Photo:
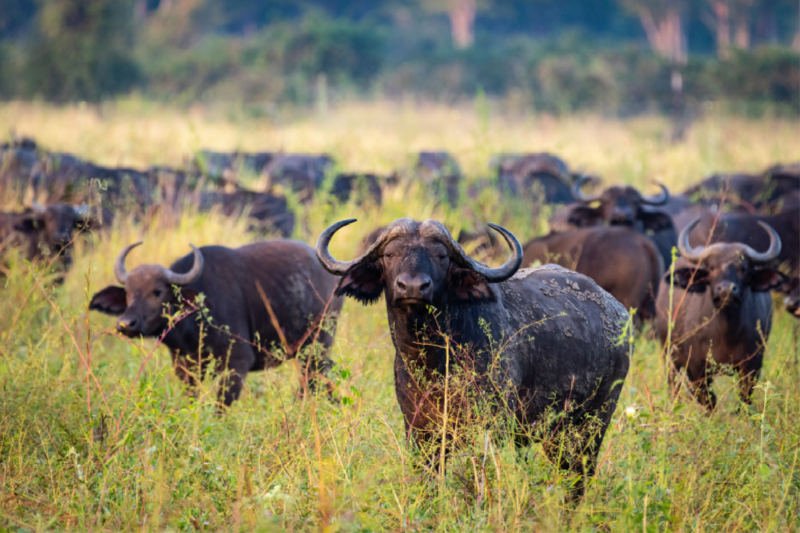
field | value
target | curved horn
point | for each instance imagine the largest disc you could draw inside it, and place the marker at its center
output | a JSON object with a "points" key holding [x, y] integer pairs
{"points": [[335, 267], [492, 275], [194, 273], [578, 194], [119, 265], [661, 199], [773, 250], [687, 252]]}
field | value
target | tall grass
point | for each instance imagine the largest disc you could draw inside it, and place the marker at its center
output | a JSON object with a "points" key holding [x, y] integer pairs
{"points": [[97, 434]]}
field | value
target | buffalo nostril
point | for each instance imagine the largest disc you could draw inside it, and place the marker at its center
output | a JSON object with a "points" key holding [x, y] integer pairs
{"points": [[425, 286], [401, 285]]}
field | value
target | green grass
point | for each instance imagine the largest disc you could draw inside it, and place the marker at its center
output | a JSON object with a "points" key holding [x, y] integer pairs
{"points": [[97, 434]]}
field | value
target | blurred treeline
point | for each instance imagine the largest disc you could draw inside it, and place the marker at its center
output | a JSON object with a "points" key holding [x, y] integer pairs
{"points": [[616, 56]]}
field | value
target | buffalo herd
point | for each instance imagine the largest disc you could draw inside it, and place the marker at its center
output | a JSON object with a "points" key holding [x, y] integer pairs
{"points": [[550, 330]]}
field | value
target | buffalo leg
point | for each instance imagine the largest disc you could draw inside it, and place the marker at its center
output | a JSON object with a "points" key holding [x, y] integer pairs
{"points": [[315, 365], [701, 390], [240, 360], [748, 379]]}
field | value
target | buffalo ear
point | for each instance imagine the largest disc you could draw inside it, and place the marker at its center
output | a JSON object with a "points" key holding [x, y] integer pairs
{"points": [[689, 279], [28, 224], [766, 279], [110, 300], [362, 282], [583, 216], [465, 286]]}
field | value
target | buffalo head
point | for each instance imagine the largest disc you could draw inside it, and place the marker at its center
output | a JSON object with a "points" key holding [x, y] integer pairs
{"points": [[416, 264], [727, 270], [146, 294], [618, 205], [54, 223]]}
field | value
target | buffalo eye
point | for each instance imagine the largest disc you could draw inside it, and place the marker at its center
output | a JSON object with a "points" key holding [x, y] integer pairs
{"points": [[157, 293], [387, 256], [442, 256]]}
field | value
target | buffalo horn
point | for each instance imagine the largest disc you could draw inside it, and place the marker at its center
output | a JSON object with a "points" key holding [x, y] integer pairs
{"points": [[334, 266], [661, 199], [695, 255], [194, 273], [773, 250], [119, 265], [578, 193], [492, 275]]}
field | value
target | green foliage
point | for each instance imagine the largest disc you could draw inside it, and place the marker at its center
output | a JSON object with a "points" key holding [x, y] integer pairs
{"points": [[82, 51]]}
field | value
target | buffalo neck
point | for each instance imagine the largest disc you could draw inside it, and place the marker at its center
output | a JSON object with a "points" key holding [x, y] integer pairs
{"points": [[421, 336]]}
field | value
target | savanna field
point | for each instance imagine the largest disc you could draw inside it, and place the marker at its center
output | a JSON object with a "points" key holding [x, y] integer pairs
{"points": [[96, 432]]}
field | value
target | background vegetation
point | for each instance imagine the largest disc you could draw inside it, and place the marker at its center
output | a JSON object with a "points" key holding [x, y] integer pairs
{"points": [[97, 434], [614, 56]]}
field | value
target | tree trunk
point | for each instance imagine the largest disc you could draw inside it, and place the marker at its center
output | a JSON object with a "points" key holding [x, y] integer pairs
{"points": [[462, 22], [743, 33], [723, 29]]}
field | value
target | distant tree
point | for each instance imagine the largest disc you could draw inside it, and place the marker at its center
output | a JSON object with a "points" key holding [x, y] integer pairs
{"points": [[462, 18], [661, 20], [82, 49]]}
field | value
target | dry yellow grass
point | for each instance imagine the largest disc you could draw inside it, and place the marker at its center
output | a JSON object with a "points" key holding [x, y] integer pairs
{"points": [[275, 463]]}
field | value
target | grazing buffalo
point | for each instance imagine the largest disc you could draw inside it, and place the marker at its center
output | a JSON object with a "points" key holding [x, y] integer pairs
{"points": [[625, 206], [46, 232], [744, 228], [721, 311], [542, 177], [534, 339], [362, 187], [751, 192], [266, 212], [620, 260], [224, 165], [299, 173], [264, 302], [441, 175]]}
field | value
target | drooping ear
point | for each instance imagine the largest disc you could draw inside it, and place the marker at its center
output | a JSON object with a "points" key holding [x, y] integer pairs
{"points": [[465, 286], [28, 223], [363, 282], [689, 279], [110, 301], [766, 279], [583, 216]]}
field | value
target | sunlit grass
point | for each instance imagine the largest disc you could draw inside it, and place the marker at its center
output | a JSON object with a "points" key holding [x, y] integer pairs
{"points": [[121, 447]]}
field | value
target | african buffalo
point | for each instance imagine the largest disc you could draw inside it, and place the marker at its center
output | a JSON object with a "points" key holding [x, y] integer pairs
{"points": [[620, 260], [263, 303], [265, 211], [535, 339], [752, 192], [540, 176], [299, 173], [625, 206], [441, 175], [47, 231], [363, 187], [721, 311], [744, 228]]}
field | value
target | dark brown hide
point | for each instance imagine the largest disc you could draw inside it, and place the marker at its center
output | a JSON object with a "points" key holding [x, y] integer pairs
{"points": [[541, 177], [722, 313], [46, 232], [623, 206], [558, 329], [296, 287], [620, 260], [734, 227]]}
